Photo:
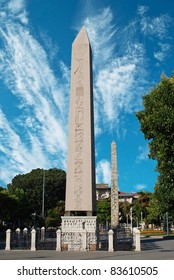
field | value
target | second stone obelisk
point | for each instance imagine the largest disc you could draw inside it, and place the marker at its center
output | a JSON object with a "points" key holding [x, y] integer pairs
{"points": [[114, 189], [80, 184]]}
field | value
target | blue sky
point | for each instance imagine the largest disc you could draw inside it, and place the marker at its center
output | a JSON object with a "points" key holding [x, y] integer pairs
{"points": [[132, 45]]}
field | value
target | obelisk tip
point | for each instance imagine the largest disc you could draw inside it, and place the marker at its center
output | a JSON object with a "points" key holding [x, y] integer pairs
{"points": [[82, 37]]}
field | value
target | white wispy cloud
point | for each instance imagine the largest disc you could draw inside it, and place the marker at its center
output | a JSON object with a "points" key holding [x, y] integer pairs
{"points": [[142, 10], [142, 154], [50, 47], [116, 73], [163, 51], [154, 26], [101, 36], [42, 97], [103, 172], [15, 156], [140, 187]]}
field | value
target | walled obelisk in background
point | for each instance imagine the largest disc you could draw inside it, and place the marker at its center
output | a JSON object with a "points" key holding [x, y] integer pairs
{"points": [[114, 188], [80, 181]]}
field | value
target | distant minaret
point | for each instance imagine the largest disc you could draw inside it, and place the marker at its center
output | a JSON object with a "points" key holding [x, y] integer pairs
{"points": [[114, 188]]}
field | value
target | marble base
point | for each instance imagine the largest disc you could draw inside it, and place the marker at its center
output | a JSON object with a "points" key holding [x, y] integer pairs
{"points": [[79, 233]]}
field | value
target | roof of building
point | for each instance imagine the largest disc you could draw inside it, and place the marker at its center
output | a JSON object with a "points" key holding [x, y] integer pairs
{"points": [[128, 194], [102, 186]]}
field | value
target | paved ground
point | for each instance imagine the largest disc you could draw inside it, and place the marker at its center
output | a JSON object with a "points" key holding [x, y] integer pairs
{"points": [[152, 249]]}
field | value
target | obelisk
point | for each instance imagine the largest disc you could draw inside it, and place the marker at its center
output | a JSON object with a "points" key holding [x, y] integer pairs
{"points": [[79, 224], [80, 181], [114, 188]]}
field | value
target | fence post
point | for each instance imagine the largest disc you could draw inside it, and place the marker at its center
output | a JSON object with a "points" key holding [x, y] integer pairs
{"points": [[18, 233], [137, 242], [58, 245], [84, 233], [43, 233], [33, 240], [25, 236], [25, 230], [8, 238], [111, 244], [134, 241]]}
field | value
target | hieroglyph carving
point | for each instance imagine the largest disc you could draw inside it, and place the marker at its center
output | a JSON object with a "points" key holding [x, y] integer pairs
{"points": [[79, 125]]}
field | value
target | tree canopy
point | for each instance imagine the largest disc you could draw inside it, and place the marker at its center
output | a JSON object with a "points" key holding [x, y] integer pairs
{"points": [[8, 206], [28, 189], [157, 124], [104, 210]]}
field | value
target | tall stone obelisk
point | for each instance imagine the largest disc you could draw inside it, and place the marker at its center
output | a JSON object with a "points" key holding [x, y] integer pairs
{"points": [[114, 188], [79, 225], [80, 186]]}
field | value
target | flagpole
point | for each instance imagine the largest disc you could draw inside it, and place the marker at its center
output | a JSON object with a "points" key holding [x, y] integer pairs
{"points": [[43, 195]]}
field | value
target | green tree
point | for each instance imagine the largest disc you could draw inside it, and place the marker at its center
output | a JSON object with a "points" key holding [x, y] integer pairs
{"points": [[157, 124], [29, 189], [104, 210], [142, 204], [9, 207], [154, 213], [53, 218], [124, 209]]}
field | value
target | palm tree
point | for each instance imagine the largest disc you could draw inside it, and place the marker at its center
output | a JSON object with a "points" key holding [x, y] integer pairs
{"points": [[141, 205]]}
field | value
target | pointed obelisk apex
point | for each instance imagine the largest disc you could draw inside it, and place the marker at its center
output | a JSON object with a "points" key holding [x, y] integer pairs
{"points": [[80, 183], [82, 37], [114, 189]]}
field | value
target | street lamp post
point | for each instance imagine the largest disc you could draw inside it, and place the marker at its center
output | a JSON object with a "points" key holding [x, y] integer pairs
{"points": [[142, 226], [34, 218], [137, 221], [167, 223], [43, 195], [127, 220], [141, 217], [131, 217]]}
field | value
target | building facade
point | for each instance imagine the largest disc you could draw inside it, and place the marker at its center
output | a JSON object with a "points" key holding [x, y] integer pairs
{"points": [[103, 191]]}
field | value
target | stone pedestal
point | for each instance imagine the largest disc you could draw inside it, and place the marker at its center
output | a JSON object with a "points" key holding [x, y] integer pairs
{"points": [[79, 233], [136, 239], [111, 241], [33, 240], [8, 239], [58, 245]]}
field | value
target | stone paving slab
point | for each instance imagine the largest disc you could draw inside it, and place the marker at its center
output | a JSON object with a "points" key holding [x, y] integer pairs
{"points": [[53, 255]]}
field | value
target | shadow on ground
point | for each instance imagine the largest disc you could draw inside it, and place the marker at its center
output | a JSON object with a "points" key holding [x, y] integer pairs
{"points": [[152, 243]]}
